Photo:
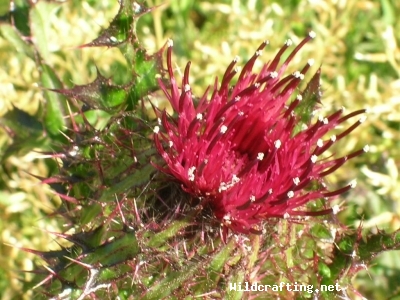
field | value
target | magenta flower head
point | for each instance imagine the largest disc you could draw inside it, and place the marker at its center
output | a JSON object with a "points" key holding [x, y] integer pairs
{"points": [[242, 151]]}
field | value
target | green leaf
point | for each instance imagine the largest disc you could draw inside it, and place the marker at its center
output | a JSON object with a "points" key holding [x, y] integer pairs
{"points": [[324, 270], [116, 251], [39, 17], [311, 97], [100, 94], [146, 68], [89, 213], [20, 15], [161, 238], [12, 35], [99, 119], [375, 243], [26, 131], [388, 11], [54, 108], [237, 278], [214, 269], [354, 249], [322, 232], [91, 238], [138, 178], [21, 123], [122, 27], [172, 282]]}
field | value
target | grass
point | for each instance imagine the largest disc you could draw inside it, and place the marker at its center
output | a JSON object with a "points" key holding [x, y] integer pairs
{"points": [[356, 47]]}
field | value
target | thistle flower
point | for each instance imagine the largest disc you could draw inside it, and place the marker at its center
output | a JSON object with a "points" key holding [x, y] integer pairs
{"points": [[242, 150]]}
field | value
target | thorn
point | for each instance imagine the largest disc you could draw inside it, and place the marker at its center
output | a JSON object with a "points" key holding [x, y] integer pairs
{"points": [[86, 266]]}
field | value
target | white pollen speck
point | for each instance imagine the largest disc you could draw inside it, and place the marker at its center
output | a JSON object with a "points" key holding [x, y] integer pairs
{"points": [[170, 43], [296, 180], [362, 119], [353, 184], [227, 219], [259, 53], [277, 144], [299, 97], [252, 198], [191, 173], [236, 58], [260, 156], [320, 143], [237, 98], [235, 179], [366, 148], [325, 120], [290, 194], [333, 138], [335, 209], [171, 143], [311, 61], [199, 116], [74, 152], [136, 7], [286, 215], [156, 129], [187, 88], [288, 42], [314, 158], [297, 74], [270, 191], [273, 74], [257, 84], [320, 118], [304, 126], [159, 121], [227, 185], [223, 129], [240, 113], [312, 34]]}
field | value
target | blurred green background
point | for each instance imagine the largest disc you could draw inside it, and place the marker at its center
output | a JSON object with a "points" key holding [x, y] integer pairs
{"points": [[356, 46]]}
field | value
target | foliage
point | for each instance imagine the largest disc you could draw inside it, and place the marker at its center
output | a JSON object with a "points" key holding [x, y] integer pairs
{"points": [[77, 115]]}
